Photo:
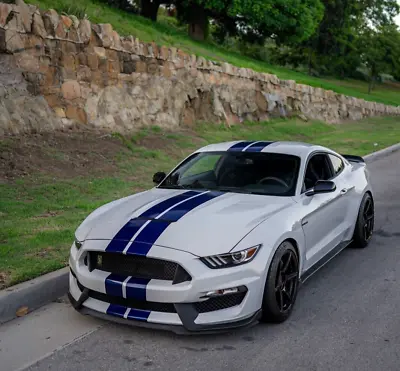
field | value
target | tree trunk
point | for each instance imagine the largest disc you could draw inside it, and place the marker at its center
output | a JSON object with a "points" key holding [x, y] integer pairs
{"points": [[309, 61], [198, 23], [149, 9], [371, 82]]}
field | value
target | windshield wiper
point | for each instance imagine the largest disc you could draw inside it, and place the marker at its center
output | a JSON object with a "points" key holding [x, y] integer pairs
{"points": [[172, 187], [239, 190]]}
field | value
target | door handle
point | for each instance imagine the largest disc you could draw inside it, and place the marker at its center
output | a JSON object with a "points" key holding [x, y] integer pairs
{"points": [[344, 191]]}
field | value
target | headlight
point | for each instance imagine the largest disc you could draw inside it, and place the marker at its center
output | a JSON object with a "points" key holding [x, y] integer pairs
{"points": [[231, 259], [78, 244]]}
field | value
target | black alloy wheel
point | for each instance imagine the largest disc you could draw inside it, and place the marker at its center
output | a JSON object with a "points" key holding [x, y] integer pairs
{"points": [[285, 282], [282, 284], [368, 219], [364, 228]]}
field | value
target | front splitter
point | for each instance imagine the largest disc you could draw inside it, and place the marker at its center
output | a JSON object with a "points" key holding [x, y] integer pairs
{"points": [[189, 326]]}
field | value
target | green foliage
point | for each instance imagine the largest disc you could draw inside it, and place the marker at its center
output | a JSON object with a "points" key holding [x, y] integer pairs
{"points": [[78, 11], [335, 48], [284, 20], [126, 5], [381, 50]]}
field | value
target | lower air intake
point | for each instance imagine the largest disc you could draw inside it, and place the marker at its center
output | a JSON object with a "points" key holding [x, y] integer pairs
{"points": [[220, 302]]}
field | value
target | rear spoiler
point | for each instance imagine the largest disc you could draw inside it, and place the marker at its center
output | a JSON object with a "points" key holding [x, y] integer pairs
{"points": [[353, 158]]}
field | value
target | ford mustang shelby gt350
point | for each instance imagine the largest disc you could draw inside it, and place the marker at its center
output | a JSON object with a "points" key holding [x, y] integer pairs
{"points": [[223, 240]]}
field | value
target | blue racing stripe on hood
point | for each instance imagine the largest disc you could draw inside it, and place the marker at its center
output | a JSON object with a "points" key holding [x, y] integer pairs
{"points": [[149, 235], [124, 235], [121, 239], [258, 146], [238, 147]]}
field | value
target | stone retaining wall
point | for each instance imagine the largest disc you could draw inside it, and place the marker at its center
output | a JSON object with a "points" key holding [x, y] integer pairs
{"points": [[57, 70]]}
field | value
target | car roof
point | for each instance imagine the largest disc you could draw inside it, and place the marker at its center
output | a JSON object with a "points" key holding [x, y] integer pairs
{"points": [[299, 149]]}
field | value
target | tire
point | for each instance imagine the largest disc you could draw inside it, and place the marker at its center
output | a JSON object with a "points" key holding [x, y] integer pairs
{"points": [[281, 285], [365, 222]]}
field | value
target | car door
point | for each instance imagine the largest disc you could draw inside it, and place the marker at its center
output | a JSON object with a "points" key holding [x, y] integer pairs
{"points": [[323, 214], [343, 179]]}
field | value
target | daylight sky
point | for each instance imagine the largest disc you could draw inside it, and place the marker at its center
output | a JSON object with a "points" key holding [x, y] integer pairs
{"points": [[398, 17]]}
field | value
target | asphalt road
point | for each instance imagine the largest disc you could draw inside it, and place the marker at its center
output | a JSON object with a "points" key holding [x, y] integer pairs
{"points": [[347, 317]]}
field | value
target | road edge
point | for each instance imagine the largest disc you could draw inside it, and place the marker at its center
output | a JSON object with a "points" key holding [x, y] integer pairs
{"points": [[32, 294], [42, 290], [382, 153]]}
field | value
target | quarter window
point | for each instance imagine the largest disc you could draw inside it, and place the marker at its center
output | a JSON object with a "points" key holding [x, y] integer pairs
{"points": [[337, 164]]}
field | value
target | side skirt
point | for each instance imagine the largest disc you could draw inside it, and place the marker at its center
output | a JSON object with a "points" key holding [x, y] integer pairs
{"points": [[324, 260]]}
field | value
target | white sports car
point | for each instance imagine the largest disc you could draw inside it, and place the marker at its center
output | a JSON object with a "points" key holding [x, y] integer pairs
{"points": [[224, 240]]}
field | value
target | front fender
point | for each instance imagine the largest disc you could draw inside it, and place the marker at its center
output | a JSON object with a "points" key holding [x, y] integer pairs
{"points": [[271, 234]]}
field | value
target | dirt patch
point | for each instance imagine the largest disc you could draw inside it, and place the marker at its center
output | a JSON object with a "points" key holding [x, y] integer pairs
{"points": [[59, 154], [65, 155], [44, 252], [48, 214], [168, 144], [4, 280]]}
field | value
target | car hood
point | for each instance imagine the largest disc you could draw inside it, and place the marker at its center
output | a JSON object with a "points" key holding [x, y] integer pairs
{"points": [[213, 224]]}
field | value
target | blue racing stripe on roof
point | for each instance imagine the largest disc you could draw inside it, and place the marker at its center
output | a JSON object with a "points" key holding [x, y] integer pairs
{"points": [[113, 285], [258, 146], [149, 235], [116, 310], [136, 288], [238, 147], [139, 314], [124, 235]]}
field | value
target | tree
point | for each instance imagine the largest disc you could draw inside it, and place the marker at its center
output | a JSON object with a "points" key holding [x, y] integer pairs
{"points": [[146, 8], [283, 20], [149, 8], [380, 51], [333, 49]]}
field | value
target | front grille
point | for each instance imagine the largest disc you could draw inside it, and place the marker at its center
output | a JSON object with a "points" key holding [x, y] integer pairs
{"points": [[138, 266], [220, 302], [133, 303]]}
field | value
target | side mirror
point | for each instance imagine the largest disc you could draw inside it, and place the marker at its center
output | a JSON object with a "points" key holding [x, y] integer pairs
{"points": [[322, 186], [159, 177]]}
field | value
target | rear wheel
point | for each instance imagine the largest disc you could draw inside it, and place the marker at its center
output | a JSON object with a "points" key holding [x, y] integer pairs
{"points": [[365, 222], [281, 286]]}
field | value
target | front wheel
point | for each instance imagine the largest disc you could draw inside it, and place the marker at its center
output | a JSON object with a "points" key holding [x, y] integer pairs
{"points": [[365, 222], [281, 286]]}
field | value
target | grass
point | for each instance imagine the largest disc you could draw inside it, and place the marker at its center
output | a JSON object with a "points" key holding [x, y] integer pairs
{"points": [[167, 32], [40, 212]]}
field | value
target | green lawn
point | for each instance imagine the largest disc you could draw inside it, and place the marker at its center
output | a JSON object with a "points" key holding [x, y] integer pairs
{"points": [[40, 209], [167, 32]]}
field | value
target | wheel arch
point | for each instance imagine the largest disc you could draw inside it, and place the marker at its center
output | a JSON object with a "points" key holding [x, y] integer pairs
{"points": [[296, 247], [295, 244]]}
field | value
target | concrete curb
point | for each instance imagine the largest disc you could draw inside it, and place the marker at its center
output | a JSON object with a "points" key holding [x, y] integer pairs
{"points": [[45, 289], [382, 153], [33, 294]]}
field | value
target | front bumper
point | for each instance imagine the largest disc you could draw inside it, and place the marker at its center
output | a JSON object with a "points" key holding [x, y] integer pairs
{"points": [[189, 328], [88, 294]]}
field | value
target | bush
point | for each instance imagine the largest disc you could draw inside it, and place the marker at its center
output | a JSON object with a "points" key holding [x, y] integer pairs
{"points": [[78, 11]]}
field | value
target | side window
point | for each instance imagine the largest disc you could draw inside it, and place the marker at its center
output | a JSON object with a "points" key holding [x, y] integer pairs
{"points": [[317, 169], [337, 164]]}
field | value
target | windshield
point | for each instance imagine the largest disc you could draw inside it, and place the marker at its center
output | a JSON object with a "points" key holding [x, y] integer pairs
{"points": [[244, 172]]}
